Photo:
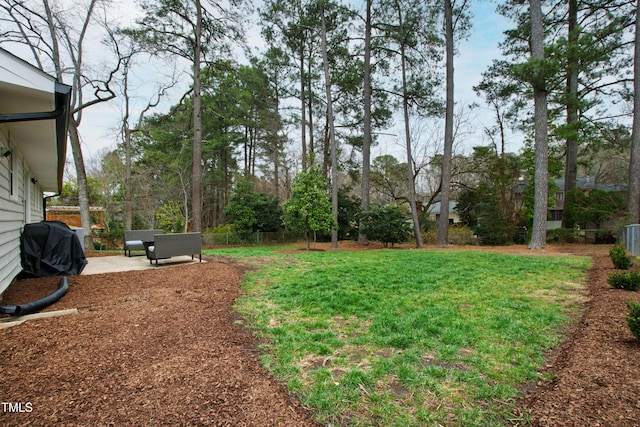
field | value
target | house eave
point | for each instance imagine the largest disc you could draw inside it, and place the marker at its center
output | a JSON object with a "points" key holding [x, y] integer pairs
{"points": [[34, 115]]}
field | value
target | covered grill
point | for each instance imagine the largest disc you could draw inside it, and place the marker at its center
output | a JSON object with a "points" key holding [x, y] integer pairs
{"points": [[50, 248]]}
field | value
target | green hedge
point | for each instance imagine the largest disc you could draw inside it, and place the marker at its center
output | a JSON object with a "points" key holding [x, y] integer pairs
{"points": [[458, 235]]}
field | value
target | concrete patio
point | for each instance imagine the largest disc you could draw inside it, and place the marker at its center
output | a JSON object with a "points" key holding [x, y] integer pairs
{"points": [[115, 263]]}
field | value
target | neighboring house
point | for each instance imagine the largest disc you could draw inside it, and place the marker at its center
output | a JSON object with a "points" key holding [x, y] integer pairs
{"points": [[433, 212], [34, 114], [586, 184]]}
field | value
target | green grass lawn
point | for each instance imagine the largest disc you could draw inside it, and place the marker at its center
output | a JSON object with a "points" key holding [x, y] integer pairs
{"points": [[409, 337]]}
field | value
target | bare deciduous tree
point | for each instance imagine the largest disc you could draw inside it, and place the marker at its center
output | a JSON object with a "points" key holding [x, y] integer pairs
{"points": [[56, 39], [126, 51]]}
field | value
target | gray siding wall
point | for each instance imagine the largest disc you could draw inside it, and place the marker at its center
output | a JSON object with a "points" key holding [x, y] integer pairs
{"points": [[20, 202]]}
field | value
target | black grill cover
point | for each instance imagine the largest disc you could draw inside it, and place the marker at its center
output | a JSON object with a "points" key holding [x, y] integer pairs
{"points": [[50, 248]]}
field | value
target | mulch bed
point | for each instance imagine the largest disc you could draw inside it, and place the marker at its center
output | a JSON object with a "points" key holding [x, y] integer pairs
{"points": [[164, 347], [160, 347], [596, 372]]}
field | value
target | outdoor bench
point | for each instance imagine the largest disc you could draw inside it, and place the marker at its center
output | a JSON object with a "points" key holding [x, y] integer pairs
{"points": [[168, 245], [134, 239]]}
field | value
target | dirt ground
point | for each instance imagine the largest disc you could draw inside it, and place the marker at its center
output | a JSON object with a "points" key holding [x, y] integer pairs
{"points": [[164, 347]]}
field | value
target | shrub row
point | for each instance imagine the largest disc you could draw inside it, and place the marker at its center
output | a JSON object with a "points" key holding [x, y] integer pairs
{"points": [[566, 235], [458, 235], [627, 280]]}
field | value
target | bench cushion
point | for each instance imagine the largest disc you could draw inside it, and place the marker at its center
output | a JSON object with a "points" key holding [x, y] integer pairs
{"points": [[133, 239]]}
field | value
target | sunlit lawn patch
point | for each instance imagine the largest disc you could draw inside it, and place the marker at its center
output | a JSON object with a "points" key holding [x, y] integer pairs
{"points": [[411, 337]]}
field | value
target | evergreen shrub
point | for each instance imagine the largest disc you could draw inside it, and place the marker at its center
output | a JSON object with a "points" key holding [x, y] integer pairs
{"points": [[458, 235], [633, 318], [386, 224], [627, 280], [619, 257], [563, 235]]}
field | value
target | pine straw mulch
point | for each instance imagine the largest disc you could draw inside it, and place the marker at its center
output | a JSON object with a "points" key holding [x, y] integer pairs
{"points": [[164, 347]]}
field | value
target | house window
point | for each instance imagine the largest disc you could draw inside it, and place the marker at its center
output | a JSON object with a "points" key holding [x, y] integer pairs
{"points": [[560, 195], [438, 219], [556, 215]]}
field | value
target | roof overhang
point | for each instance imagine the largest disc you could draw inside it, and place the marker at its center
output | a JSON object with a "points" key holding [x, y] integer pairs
{"points": [[34, 116]]}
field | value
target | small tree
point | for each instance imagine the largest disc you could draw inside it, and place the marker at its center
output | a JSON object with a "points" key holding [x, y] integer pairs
{"points": [[309, 208], [386, 224], [574, 213], [171, 217], [480, 210], [349, 209], [241, 210], [595, 208], [603, 204]]}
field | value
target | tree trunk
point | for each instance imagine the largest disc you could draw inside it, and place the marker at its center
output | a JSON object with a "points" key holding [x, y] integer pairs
{"points": [[275, 147], [326, 148], [81, 176], [332, 136], [366, 136], [276, 160], [128, 203], [311, 139], [74, 121], [571, 165], [126, 130], [539, 231], [247, 152], [303, 113], [253, 152], [196, 196], [445, 186], [633, 199], [407, 132]]}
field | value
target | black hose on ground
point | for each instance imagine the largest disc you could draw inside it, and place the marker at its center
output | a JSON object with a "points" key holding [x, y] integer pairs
{"points": [[37, 305]]}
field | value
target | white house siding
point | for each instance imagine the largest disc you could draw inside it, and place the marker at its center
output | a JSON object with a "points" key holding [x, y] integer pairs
{"points": [[434, 212], [12, 211], [35, 111]]}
